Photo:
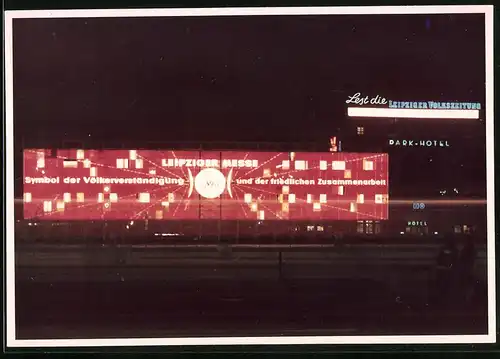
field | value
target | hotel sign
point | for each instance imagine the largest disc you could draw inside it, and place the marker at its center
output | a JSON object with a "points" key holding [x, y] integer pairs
{"points": [[418, 143], [417, 223]]}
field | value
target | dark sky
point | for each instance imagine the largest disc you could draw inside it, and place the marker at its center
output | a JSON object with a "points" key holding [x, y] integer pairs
{"points": [[234, 78]]}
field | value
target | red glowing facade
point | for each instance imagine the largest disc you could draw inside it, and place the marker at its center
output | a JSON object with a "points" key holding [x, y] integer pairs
{"points": [[191, 185]]}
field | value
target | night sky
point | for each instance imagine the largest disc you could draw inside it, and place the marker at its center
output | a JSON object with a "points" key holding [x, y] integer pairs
{"points": [[234, 78], [138, 81]]}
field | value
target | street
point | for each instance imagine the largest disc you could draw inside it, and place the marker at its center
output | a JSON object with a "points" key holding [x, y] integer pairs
{"points": [[161, 291]]}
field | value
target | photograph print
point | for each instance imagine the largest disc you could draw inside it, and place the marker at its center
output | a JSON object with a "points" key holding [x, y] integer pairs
{"points": [[250, 176]]}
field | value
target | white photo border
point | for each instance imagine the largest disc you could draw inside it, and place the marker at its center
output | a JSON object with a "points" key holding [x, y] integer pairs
{"points": [[13, 342]]}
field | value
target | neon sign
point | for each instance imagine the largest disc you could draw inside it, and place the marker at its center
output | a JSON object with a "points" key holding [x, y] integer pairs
{"points": [[418, 205], [417, 223], [418, 143], [436, 105], [356, 99], [359, 99]]}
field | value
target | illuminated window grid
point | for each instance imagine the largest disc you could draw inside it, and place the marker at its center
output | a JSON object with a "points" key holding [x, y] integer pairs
{"points": [[285, 165], [67, 197], [80, 197], [360, 198], [159, 214], [353, 207], [93, 171], [323, 165], [144, 197], [285, 207], [113, 197], [316, 207], [40, 160], [132, 155], [121, 163], [248, 198], [80, 154], [47, 206], [254, 207], [60, 206], [165, 205], [87, 163], [347, 174], [322, 198], [40, 163], [266, 173], [291, 198], [309, 198], [368, 165], [381, 198], [261, 215], [139, 163], [300, 165], [338, 165], [70, 164], [285, 189], [28, 197], [171, 197]]}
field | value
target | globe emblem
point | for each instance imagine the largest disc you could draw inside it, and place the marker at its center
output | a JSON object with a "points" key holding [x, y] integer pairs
{"points": [[210, 183]]}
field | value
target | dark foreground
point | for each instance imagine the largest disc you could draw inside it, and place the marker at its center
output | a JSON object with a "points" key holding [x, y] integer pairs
{"points": [[335, 292]]}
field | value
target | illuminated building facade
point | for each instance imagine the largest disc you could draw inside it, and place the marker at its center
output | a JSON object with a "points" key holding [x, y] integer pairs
{"points": [[446, 174]]}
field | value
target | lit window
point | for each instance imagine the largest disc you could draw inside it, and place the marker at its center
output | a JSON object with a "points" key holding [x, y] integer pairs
{"points": [[360, 130], [360, 228]]}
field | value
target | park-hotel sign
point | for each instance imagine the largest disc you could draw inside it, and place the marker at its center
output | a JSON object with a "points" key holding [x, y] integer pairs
{"points": [[418, 143]]}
